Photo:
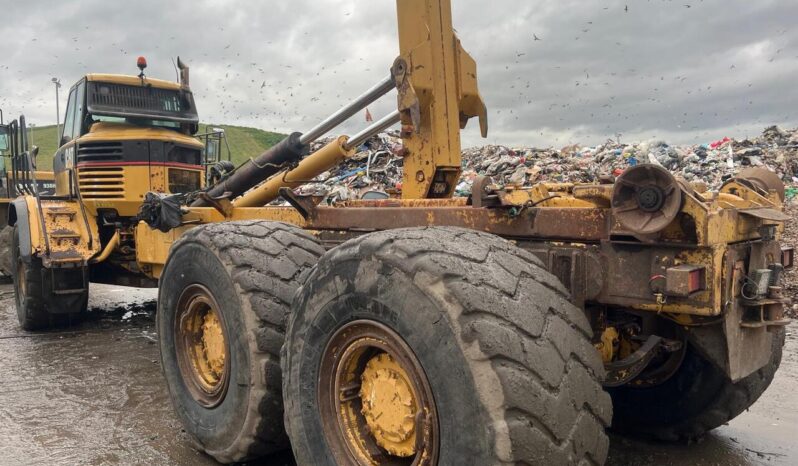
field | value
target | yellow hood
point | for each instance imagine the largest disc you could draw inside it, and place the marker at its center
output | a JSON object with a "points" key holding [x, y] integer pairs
{"points": [[105, 131]]}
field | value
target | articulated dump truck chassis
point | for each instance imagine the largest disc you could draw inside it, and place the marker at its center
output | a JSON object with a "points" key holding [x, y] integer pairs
{"points": [[510, 327]]}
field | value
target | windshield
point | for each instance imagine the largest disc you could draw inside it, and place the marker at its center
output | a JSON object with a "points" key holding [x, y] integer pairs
{"points": [[144, 103]]}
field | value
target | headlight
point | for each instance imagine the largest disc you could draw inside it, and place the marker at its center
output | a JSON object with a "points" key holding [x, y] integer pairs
{"points": [[183, 181]]}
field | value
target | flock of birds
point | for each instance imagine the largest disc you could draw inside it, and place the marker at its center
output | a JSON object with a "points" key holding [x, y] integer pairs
{"points": [[231, 87]]}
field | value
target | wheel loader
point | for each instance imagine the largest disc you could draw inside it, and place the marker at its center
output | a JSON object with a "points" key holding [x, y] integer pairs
{"points": [[14, 156], [512, 326]]}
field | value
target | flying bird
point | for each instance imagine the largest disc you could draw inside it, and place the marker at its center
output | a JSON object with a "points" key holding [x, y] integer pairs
{"points": [[535, 36]]}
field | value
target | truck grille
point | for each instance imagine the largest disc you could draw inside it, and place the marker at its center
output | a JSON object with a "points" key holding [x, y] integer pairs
{"points": [[101, 182], [100, 152]]}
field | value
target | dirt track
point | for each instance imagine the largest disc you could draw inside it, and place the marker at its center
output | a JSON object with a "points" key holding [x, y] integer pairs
{"points": [[94, 395]]}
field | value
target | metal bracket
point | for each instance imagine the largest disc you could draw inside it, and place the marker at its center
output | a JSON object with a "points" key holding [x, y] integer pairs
{"points": [[480, 195], [408, 104], [304, 205], [222, 203]]}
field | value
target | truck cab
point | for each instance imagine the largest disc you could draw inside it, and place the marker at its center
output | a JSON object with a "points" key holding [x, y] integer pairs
{"points": [[124, 136]]}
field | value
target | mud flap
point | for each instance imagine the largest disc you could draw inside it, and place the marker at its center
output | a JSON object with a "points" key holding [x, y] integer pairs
{"points": [[735, 349], [64, 288]]}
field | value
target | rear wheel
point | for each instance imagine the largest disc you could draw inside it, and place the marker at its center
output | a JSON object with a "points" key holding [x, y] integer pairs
{"points": [[440, 346], [697, 398], [223, 300], [38, 307]]}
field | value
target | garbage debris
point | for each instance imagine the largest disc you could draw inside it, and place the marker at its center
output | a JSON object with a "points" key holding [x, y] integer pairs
{"points": [[377, 166], [790, 238]]}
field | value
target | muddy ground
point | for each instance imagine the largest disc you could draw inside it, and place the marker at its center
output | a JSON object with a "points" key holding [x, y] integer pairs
{"points": [[94, 395]]}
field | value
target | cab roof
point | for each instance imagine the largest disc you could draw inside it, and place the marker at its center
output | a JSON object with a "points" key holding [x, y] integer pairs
{"points": [[132, 80]]}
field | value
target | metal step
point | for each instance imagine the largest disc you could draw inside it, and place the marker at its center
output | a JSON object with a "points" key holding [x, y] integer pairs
{"points": [[66, 235], [60, 211]]}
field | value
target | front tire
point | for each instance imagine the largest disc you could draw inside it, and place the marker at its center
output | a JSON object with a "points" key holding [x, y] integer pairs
{"points": [[223, 300], [35, 299], [444, 346]]}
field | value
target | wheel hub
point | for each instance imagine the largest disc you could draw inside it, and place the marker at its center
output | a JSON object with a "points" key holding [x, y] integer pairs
{"points": [[213, 347], [650, 198], [389, 405], [376, 402]]}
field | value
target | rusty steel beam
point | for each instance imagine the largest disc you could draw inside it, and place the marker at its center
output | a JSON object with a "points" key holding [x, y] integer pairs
{"points": [[577, 224]]}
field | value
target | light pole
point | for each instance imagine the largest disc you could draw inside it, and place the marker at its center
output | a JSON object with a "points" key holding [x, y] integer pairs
{"points": [[57, 83]]}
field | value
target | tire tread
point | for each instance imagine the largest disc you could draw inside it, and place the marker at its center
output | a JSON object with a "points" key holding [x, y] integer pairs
{"points": [[265, 261]]}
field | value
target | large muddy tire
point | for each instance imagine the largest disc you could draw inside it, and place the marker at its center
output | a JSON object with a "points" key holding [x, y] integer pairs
{"points": [[443, 345], [696, 399], [38, 308], [6, 258], [235, 281]]}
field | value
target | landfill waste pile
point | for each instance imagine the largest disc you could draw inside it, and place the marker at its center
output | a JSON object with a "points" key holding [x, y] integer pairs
{"points": [[377, 166], [375, 171], [790, 238]]}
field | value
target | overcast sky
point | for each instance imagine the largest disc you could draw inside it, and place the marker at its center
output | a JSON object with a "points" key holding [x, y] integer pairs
{"points": [[685, 71]]}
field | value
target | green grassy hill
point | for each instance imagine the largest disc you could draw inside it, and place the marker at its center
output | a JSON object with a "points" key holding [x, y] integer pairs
{"points": [[244, 142]]}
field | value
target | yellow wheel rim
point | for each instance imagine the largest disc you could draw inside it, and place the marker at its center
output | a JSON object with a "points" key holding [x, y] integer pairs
{"points": [[201, 345], [375, 400], [210, 352]]}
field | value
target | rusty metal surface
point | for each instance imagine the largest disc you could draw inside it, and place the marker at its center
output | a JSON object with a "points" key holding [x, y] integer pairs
{"points": [[574, 224], [646, 199], [452, 202], [763, 179]]}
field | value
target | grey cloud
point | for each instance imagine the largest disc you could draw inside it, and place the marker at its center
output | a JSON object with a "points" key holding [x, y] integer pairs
{"points": [[720, 67]]}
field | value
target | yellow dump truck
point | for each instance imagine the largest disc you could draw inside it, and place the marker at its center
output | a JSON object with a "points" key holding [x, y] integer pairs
{"points": [[512, 326], [123, 136]]}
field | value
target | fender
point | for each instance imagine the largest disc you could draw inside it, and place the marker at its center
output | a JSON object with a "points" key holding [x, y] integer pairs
{"points": [[18, 215]]}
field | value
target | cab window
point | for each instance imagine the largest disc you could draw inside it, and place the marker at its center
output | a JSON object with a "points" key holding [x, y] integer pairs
{"points": [[3, 138], [69, 120], [80, 99]]}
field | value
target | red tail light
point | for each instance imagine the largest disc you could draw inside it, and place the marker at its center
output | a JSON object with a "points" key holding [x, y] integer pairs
{"points": [[684, 280], [696, 280]]}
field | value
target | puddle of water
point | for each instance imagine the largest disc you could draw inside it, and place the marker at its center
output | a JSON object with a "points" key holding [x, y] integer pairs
{"points": [[95, 395]]}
